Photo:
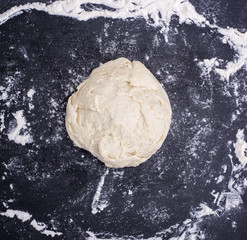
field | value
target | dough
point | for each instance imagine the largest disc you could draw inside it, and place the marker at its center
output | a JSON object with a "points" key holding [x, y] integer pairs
{"points": [[121, 114]]}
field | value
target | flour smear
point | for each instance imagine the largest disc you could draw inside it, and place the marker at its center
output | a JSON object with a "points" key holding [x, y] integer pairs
{"points": [[160, 12], [19, 124], [98, 203], [25, 216]]}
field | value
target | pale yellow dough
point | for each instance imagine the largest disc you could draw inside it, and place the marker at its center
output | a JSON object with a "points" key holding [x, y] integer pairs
{"points": [[121, 114]]}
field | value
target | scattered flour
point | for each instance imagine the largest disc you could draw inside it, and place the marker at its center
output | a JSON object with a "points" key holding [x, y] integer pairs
{"points": [[30, 93], [54, 104], [98, 204], [236, 184], [14, 134], [25, 216], [24, 52], [5, 204], [224, 168], [208, 65], [51, 233], [234, 224], [2, 126], [159, 11], [220, 179], [117, 173], [202, 211], [189, 229], [233, 199], [38, 225], [241, 148], [227, 200], [4, 95], [7, 95], [238, 42], [31, 106], [53, 108]]}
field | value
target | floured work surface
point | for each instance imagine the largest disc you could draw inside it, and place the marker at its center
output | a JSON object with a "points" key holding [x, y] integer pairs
{"points": [[195, 186]]}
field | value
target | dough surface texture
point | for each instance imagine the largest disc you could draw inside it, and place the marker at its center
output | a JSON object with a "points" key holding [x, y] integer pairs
{"points": [[121, 114]]}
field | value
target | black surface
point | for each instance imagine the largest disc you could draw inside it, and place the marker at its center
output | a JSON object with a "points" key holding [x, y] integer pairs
{"points": [[52, 181]]}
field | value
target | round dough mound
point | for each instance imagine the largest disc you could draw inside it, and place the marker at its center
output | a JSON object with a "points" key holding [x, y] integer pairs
{"points": [[121, 114]]}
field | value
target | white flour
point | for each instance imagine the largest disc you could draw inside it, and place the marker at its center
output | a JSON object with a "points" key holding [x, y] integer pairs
{"points": [[25, 216], [4, 93], [37, 225], [240, 152], [208, 65], [14, 132], [188, 229], [227, 200], [30, 93], [8, 97], [238, 42], [160, 12], [241, 148], [99, 204], [2, 126]]}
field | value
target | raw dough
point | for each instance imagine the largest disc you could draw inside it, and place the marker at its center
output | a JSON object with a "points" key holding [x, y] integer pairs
{"points": [[121, 114]]}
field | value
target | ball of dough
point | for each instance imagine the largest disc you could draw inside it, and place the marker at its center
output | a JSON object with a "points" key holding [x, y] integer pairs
{"points": [[121, 114]]}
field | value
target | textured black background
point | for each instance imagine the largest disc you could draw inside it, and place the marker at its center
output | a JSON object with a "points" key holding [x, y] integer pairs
{"points": [[52, 181]]}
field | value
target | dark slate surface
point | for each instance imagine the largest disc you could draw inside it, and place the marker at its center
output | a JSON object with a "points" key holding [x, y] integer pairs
{"points": [[52, 181]]}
